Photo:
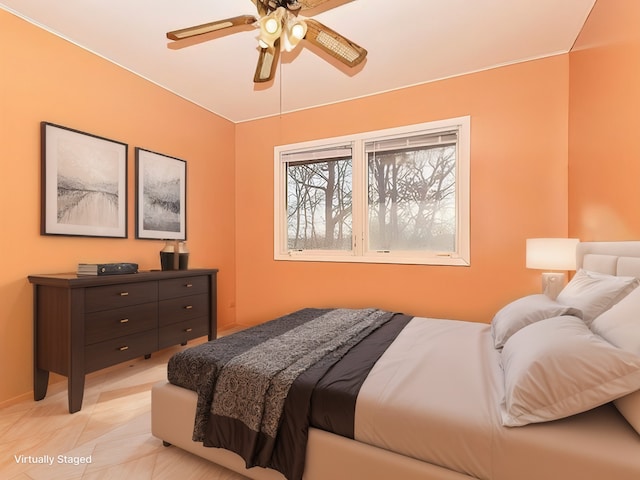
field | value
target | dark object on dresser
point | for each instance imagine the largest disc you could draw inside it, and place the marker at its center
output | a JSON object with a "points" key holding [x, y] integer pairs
{"points": [[86, 323], [107, 268]]}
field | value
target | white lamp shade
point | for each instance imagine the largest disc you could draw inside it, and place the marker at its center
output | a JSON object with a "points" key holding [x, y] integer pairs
{"points": [[552, 253]]}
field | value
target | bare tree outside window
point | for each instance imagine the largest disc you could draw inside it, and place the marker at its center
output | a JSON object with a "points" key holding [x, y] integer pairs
{"points": [[319, 204], [412, 199]]}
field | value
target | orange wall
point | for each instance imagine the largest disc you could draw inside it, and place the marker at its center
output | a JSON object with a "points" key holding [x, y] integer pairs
{"points": [[521, 148], [604, 150], [44, 78], [518, 190]]}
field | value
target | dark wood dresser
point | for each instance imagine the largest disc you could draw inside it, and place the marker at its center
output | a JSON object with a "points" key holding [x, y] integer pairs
{"points": [[85, 323]]}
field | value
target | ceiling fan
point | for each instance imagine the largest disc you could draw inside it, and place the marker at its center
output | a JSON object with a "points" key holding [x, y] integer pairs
{"points": [[280, 27]]}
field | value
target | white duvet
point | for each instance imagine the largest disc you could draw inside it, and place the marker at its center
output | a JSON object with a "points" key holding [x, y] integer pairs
{"points": [[435, 396]]}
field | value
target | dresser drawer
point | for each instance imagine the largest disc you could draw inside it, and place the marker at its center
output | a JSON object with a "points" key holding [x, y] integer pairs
{"points": [[111, 352], [181, 332], [179, 287], [116, 296], [183, 308], [118, 322]]}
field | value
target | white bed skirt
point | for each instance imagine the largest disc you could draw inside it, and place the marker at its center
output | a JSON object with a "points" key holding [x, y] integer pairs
{"points": [[328, 456]]}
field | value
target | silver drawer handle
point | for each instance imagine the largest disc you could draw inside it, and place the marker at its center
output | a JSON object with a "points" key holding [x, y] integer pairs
{"points": [[188, 330], [124, 294], [122, 349], [188, 285], [124, 320], [188, 307]]}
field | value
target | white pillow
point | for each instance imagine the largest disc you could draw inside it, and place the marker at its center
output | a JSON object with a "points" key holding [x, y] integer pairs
{"points": [[594, 293], [629, 407], [557, 367], [525, 311], [620, 325]]}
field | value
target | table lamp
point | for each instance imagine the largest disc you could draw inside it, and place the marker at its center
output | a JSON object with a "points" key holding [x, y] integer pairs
{"points": [[556, 255]]}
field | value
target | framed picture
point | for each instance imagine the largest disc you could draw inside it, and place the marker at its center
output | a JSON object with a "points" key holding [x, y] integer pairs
{"points": [[84, 184], [161, 196]]}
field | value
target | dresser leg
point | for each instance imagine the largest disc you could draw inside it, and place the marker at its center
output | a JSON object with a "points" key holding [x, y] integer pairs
{"points": [[75, 389], [147, 356], [40, 383]]}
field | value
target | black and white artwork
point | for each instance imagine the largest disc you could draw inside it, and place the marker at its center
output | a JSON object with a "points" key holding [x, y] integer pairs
{"points": [[160, 196], [84, 184]]}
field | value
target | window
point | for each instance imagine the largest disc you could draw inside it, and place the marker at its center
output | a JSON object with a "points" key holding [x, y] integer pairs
{"points": [[391, 196]]}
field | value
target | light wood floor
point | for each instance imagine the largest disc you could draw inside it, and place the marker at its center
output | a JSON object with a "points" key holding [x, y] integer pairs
{"points": [[113, 429]]}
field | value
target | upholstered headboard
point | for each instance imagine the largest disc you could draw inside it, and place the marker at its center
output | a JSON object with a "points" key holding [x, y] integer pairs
{"points": [[613, 258]]}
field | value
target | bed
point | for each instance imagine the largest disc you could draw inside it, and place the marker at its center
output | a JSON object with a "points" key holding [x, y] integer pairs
{"points": [[548, 389]]}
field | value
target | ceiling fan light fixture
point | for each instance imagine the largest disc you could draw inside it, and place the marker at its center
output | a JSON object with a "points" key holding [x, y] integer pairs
{"points": [[298, 30], [295, 31], [271, 27]]}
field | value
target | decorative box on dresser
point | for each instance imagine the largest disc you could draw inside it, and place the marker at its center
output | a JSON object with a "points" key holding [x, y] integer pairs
{"points": [[86, 323]]}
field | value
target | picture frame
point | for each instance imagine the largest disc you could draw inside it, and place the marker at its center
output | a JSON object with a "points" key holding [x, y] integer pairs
{"points": [[161, 196], [83, 185]]}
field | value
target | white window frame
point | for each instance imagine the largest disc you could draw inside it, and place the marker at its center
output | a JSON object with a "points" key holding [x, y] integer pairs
{"points": [[359, 251]]}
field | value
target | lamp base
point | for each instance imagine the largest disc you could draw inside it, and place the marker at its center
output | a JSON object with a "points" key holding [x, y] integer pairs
{"points": [[553, 283]]}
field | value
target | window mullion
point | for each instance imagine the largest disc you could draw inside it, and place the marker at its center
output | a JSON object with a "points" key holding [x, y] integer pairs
{"points": [[359, 218]]}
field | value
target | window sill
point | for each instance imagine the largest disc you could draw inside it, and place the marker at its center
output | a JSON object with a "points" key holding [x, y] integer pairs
{"points": [[382, 258]]}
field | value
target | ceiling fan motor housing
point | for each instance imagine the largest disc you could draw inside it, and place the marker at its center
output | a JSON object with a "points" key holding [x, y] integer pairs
{"points": [[291, 5]]}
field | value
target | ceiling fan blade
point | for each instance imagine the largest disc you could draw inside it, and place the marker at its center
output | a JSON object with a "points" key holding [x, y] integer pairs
{"points": [[211, 27], [267, 63], [309, 4], [349, 53]]}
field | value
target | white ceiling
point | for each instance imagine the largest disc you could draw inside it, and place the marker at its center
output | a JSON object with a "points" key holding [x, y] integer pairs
{"points": [[409, 42]]}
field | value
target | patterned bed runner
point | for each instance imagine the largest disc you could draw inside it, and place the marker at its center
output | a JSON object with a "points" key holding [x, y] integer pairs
{"points": [[243, 382]]}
